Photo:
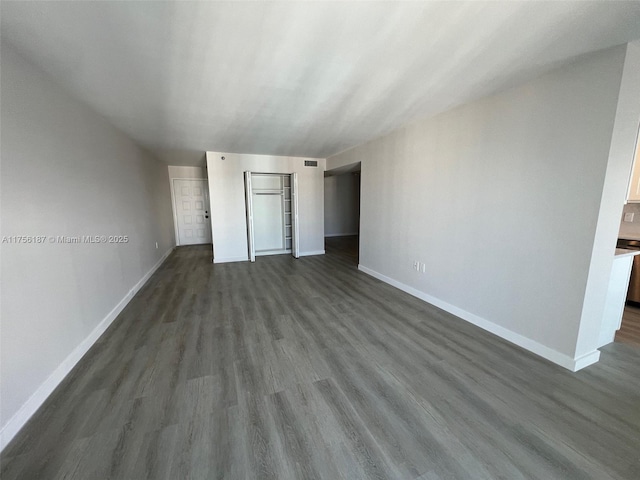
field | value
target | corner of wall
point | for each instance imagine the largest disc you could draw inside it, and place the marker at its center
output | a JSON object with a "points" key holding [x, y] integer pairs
{"points": [[621, 153], [37, 399]]}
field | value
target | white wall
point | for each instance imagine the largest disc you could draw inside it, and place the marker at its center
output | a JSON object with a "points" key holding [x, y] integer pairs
{"points": [[630, 229], [341, 205], [500, 200], [179, 171], [66, 171], [226, 187], [620, 159]]}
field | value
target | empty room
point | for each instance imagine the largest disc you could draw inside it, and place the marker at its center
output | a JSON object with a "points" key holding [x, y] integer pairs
{"points": [[320, 240]]}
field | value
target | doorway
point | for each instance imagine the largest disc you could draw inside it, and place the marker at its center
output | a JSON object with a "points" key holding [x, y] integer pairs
{"points": [[629, 238], [272, 214], [342, 212], [191, 211]]}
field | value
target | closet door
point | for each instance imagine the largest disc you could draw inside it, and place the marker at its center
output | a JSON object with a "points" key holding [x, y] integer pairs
{"points": [[249, 201], [295, 231]]}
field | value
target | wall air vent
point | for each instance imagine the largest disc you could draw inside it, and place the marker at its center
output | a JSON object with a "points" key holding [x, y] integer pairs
{"points": [[310, 163]]}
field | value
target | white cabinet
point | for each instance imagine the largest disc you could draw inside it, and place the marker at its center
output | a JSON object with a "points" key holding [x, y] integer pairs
{"points": [[616, 298]]}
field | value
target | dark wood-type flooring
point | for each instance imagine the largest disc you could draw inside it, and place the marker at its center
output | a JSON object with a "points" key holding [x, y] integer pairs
{"points": [[309, 369], [630, 329]]}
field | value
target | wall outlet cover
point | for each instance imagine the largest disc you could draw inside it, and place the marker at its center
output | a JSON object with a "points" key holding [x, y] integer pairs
{"points": [[628, 217]]}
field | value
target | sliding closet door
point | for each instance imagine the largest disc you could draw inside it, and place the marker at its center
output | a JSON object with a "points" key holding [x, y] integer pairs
{"points": [[295, 244], [249, 201]]}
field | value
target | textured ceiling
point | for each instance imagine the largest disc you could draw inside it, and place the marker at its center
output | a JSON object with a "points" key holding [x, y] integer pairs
{"points": [[306, 79]]}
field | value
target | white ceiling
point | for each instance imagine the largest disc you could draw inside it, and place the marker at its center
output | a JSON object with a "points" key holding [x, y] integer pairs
{"points": [[305, 79]]}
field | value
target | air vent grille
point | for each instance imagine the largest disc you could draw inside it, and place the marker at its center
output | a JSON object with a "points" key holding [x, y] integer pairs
{"points": [[310, 163]]}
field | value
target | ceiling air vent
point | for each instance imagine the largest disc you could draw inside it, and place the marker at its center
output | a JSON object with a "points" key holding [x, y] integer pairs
{"points": [[310, 163]]}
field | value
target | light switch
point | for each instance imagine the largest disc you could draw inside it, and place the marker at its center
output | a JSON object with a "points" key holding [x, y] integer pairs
{"points": [[628, 217]]}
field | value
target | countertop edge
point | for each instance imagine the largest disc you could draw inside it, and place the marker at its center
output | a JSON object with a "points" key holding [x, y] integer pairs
{"points": [[623, 252]]}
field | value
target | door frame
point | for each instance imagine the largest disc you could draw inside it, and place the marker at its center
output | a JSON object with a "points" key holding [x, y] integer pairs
{"points": [[295, 232], [248, 196], [175, 210], [295, 225]]}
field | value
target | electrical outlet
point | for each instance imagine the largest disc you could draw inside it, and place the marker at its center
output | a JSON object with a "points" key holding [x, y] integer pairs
{"points": [[628, 217]]}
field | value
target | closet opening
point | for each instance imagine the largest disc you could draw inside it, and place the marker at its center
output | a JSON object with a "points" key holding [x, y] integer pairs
{"points": [[272, 214]]}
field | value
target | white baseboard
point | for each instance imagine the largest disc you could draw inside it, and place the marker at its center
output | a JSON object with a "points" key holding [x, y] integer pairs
{"points": [[585, 360], [35, 401], [341, 235], [230, 259], [573, 364], [308, 254]]}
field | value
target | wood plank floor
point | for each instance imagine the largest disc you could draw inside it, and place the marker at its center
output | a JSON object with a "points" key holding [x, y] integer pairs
{"points": [[309, 369], [630, 329]]}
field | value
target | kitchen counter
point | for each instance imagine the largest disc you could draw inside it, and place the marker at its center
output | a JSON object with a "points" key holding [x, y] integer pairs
{"points": [[623, 252]]}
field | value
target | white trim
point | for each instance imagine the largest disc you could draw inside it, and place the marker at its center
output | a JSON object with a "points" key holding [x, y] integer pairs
{"points": [[295, 216], [265, 253], [585, 360], [175, 216], [248, 204], [573, 364], [230, 259], [35, 401], [314, 252], [340, 235]]}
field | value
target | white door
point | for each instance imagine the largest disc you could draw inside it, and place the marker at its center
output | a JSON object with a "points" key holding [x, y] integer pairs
{"points": [[191, 204], [295, 244], [249, 202]]}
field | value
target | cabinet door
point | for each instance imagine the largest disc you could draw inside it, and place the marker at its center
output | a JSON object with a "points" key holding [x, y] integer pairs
{"points": [[633, 196], [616, 296]]}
